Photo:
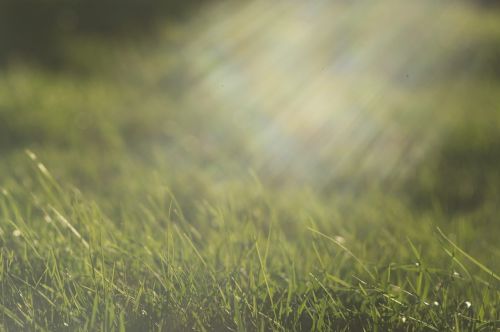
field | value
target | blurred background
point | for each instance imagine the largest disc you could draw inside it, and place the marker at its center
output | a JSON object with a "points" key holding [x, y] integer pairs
{"points": [[398, 97]]}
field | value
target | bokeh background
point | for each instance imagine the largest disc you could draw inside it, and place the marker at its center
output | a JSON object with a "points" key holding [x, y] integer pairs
{"points": [[342, 98]]}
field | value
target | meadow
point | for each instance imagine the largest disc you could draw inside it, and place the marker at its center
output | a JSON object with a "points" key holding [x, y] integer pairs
{"points": [[289, 167]]}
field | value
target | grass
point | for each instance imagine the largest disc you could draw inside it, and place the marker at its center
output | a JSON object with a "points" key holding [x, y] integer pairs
{"points": [[124, 206], [243, 263], [246, 261]]}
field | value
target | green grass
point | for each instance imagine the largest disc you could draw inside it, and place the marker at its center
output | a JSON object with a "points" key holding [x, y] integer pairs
{"points": [[252, 259], [129, 203]]}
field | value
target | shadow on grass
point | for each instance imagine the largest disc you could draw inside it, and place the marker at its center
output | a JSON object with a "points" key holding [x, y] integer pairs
{"points": [[36, 31]]}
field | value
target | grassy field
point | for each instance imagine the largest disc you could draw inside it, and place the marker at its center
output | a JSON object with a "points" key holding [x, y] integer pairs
{"points": [[258, 168]]}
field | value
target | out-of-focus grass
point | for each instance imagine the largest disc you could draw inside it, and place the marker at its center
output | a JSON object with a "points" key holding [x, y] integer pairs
{"points": [[154, 204]]}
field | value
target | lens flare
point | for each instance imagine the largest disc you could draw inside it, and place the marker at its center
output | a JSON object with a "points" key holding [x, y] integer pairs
{"points": [[320, 89]]}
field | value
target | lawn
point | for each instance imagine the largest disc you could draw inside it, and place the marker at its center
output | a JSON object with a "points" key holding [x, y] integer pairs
{"points": [[253, 167]]}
